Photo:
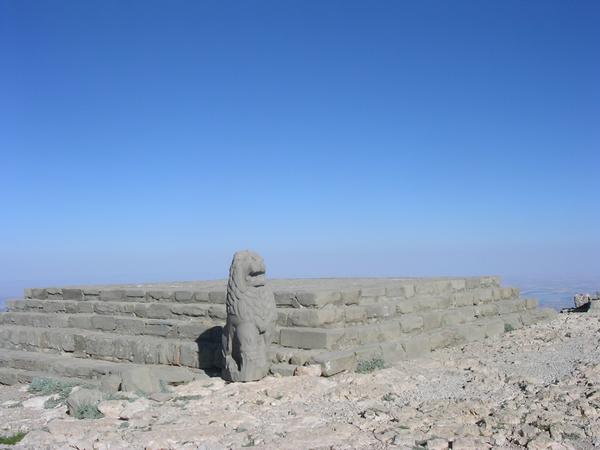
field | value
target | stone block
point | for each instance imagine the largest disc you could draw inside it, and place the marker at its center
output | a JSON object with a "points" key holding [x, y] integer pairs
{"points": [[104, 323], [403, 291], [457, 316], [284, 298], [410, 323], [85, 307], [200, 331], [112, 295], [510, 306], [189, 309], [355, 314], [184, 296], [469, 332], [105, 308], [336, 362], [312, 370], [54, 293], [158, 295], [408, 306], [380, 310], [350, 297], [464, 299], [484, 295], [310, 338], [27, 293], [217, 296], [128, 325], [201, 296], [159, 328], [310, 317], [442, 338], [135, 295], [40, 294], [374, 291], [156, 311], [318, 299], [431, 320], [283, 369], [416, 346], [83, 322], [217, 312], [493, 327], [72, 294], [486, 309], [392, 351]]}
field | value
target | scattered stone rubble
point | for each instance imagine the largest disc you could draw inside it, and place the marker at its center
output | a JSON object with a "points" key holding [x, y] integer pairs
{"points": [[537, 388]]}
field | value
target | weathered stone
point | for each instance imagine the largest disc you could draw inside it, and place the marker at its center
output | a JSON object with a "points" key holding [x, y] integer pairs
{"points": [[309, 338], [81, 397], [312, 370], [283, 369], [251, 317], [336, 362], [140, 379]]}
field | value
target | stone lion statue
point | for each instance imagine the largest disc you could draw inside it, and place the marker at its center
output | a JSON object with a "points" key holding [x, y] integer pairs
{"points": [[251, 318]]}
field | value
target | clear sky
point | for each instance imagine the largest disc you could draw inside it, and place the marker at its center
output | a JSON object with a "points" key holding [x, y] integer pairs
{"points": [[146, 140]]}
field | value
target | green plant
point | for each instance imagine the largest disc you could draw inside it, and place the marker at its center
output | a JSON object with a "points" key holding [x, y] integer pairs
{"points": [[370, 365], [49, 386], [508, 327], [12, 439], [88, 412], [388, 397]]}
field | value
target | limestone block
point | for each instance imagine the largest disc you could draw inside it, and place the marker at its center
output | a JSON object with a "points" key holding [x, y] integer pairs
{"points": [[457, 316], [310, 338], [410, 323], [431, 320], [71, 307], [368, 352], [55, 307], [486, 309], [112, 295], [318, 299], [469, 332], [484, 295], [458, 285], [408, 306], [392, 351], [189, 309], [284, 298], [104, 323], [159, 328], [464, 299], [201, 296], [282, 317], [312, 370], [81, 397], [27, 293], [427, 288], [217, 312], [72, 294], [402, 291], [336, 362], [442, 338], [283, 369], [91, 294], [380, 310], [506, 293], [350, 297], [135, 295], [104, 307], [140, 379], [415, 346], [196, 330], [251, 318], [38, 293], [217, 297], [494, 327], [374, 291], [512, 321], [129, 325], [80, 321], [160, 295], [156, 310], [310, 317], [355, 314], [184, 296]]}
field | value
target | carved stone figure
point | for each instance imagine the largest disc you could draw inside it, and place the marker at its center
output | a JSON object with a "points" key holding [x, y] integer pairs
{"points": [[251, 317]]}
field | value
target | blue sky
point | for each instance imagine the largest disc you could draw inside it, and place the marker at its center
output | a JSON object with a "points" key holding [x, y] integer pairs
{"points": [[149, 140]]}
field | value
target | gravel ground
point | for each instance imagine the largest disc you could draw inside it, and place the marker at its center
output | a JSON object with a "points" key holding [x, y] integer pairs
{"points": [[536, 388]]}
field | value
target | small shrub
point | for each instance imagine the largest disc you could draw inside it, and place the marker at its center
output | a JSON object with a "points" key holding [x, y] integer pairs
{"points": [[49, 386], [370, 365], [508, 327], [12, 439], [88, 412], [388, 397]]}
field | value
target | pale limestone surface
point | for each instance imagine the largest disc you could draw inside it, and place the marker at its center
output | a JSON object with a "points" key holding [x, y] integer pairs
{"points": [[536, 387], [251, 317]]}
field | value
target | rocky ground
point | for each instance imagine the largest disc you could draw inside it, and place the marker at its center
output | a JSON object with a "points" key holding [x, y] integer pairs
{"points": [[536, 388]]}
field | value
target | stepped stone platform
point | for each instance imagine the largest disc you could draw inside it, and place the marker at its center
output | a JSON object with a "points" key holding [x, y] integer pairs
{"points": [[91, 331]]}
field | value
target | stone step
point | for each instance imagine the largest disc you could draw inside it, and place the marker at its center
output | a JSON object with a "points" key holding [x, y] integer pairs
{"points": [[22, 366], [329, 316], [10, 377], [306, 293], [111, 346], [196, 330]]}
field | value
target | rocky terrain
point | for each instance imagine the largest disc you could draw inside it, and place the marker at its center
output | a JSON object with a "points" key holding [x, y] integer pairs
{"points": [[536, 388]]}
